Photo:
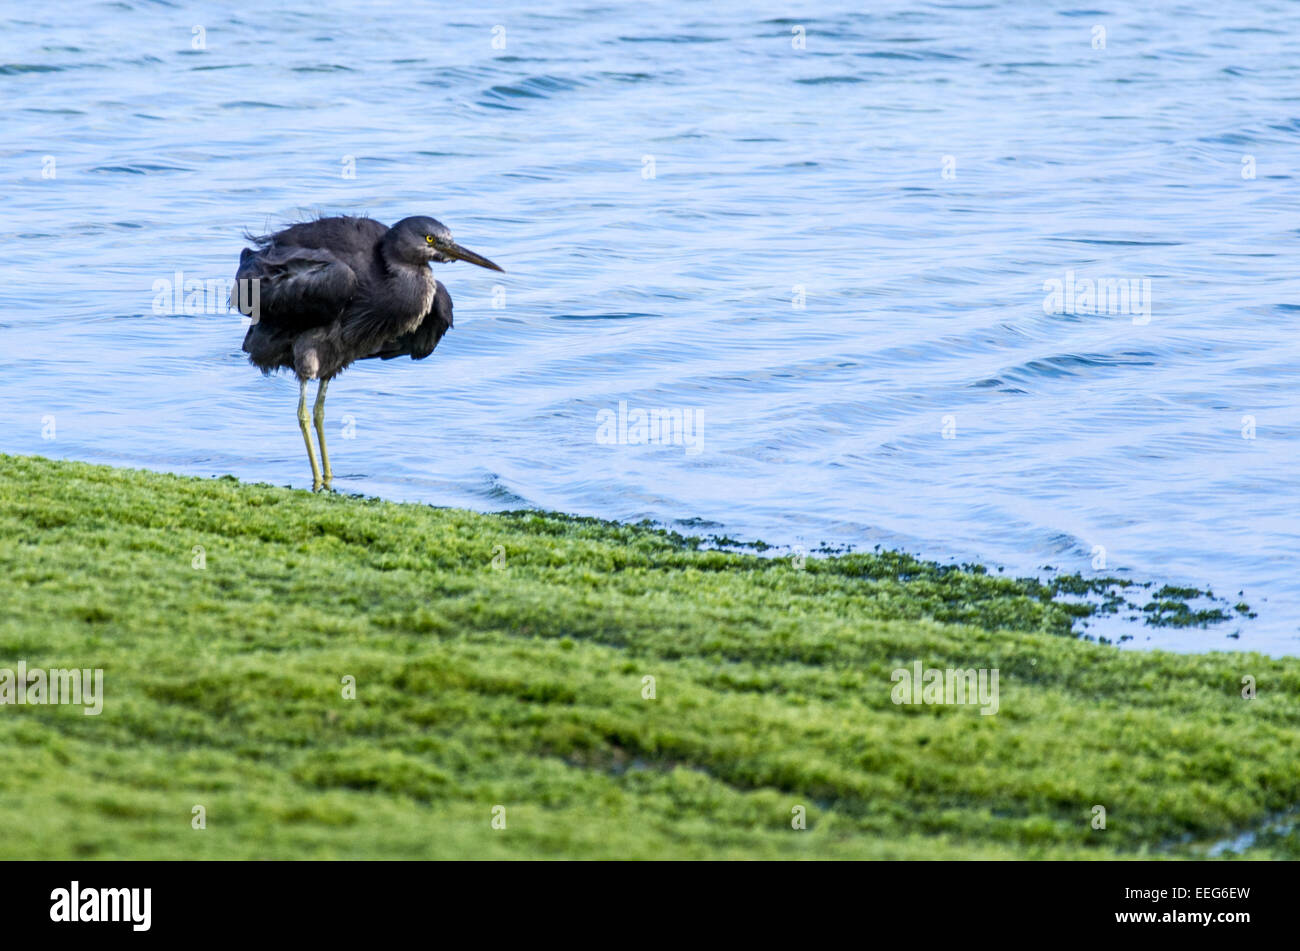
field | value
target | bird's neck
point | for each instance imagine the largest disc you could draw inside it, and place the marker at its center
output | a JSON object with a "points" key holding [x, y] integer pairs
{"points": [[408, 289]]}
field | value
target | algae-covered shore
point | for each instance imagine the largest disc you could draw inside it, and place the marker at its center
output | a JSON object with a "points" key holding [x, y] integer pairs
{"points": [[529, 685]]}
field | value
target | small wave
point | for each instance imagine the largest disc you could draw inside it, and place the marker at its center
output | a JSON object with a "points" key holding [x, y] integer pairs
{"points": [[1074, 364], [17, 69], [251, 104], [137, 169], [829, 80], [679, 38], [627, 316]]}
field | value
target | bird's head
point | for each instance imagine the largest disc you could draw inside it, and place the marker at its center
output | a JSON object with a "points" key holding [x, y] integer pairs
{"points": [[420, 240]]}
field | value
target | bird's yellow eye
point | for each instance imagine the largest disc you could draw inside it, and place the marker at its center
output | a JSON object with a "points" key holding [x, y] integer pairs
{"points": [[429, 238]]}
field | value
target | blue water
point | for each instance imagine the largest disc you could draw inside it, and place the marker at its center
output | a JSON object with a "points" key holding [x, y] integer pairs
{"points": [[657, 181]]}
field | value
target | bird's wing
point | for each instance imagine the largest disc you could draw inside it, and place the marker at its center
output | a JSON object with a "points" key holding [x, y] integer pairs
{"points": [[419, 343], [297, 287]]}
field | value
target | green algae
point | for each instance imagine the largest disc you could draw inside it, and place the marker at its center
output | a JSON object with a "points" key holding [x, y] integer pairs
{"points": [[500, 666]]}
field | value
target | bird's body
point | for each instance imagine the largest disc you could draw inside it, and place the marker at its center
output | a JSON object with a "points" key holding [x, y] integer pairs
{"points": [[333, 291], [329, 295]]}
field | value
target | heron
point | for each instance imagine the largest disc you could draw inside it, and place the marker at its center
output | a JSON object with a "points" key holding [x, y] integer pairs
{"points": [[325, 293]]}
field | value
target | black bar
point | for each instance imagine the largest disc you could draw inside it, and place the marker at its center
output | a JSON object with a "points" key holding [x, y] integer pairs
{"points": [[334, 900]]}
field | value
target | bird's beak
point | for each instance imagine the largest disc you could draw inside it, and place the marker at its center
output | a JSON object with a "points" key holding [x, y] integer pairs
{"points": [[454, 250]]}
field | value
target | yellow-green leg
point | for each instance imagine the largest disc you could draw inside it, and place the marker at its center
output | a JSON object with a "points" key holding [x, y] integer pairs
{"points": [[319, 415], [304, 424]]}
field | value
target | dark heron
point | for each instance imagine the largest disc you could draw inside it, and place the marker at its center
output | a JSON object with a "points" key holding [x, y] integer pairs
{"points": [[336, 290]]}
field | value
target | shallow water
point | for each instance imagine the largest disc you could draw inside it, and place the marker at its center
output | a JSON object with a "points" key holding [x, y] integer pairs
{"points": [[659, 188]]}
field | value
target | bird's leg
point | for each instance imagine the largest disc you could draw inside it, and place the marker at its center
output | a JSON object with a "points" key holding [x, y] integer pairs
{"points": [[304, 423], [319, 415]]}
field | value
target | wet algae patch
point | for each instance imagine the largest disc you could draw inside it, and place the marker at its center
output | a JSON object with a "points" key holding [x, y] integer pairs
{"points": [[333, 676]]}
